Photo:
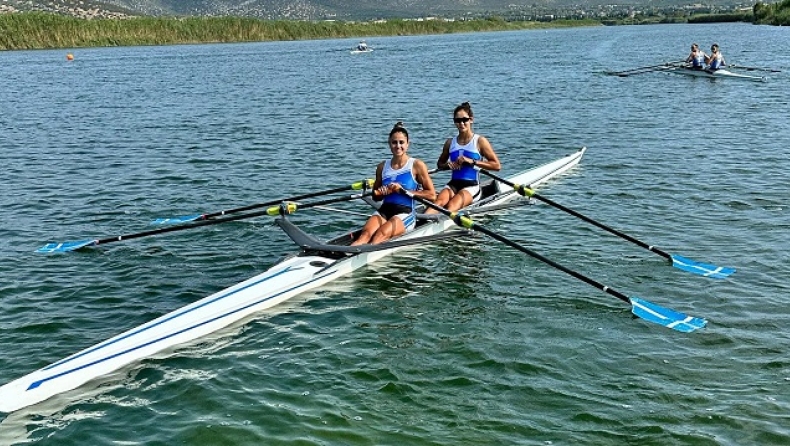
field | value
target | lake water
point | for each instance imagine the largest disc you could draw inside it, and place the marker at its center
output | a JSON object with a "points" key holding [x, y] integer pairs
{"points": [[457, 343]]}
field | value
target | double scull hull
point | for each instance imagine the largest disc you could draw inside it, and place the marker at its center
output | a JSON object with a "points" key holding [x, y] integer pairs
{"points": [[720, 73], [294, 275]]}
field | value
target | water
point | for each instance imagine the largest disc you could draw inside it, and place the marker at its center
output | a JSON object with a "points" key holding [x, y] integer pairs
{"points": [[459, 343]]}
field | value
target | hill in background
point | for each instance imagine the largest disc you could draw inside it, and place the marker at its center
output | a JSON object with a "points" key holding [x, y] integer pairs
{"points": [[359, 9]]}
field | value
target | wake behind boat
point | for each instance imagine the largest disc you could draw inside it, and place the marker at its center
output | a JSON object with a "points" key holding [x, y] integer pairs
{"points": [[316, 264]]}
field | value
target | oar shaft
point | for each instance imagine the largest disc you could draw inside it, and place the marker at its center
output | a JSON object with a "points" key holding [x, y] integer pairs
{"points": [[355, 186], [639, 307], [527, 192], [225, 219], [550, 262], [192, 225], [769, 70], [467, 222], [289, 207], [647, 69]]}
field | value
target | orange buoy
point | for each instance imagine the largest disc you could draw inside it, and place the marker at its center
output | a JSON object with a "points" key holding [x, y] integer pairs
{"points": [[69, 56]]}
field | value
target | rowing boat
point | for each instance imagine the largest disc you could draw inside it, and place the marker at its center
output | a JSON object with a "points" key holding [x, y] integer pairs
{"points": [[720, 73], [314, 265]]}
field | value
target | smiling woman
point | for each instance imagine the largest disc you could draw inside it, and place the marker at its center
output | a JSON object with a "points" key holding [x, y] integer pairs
{"points": [[396, 215], [464, 154]]}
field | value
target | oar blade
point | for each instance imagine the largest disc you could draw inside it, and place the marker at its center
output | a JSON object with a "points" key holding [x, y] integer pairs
{"points": [[65, 246], [702, 269], [664, 316], [177, 220]]}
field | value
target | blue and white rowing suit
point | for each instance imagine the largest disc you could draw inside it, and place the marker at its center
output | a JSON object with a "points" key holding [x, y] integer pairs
{"points": [[716, 61], [698, 61], [397, 204], [467, 177]]}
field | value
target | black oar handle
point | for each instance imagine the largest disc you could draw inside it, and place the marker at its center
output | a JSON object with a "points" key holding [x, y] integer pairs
{"points": [[527, 192]]}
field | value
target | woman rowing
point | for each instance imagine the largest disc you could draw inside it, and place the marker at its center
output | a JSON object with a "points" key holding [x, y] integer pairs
{"points": [[463, 154], [716, 59], [396, 215], [696, 57]]}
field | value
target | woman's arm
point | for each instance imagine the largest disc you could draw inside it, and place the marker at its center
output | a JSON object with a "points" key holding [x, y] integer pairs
{"points": [[377, 186], [491, 161], [441, 163], [424, 178]]}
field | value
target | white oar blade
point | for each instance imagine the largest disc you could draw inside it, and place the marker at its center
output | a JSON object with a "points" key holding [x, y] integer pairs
{"points": [[666, 317], [176, 220], [65, 246], [702, 269]]}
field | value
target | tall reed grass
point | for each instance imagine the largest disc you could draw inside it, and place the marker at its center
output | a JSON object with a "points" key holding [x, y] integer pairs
{"points": [[37, 30]]}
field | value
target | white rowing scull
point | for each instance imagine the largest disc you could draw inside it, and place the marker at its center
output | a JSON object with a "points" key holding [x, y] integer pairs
{"points": [[312, 267], [720, 73]]}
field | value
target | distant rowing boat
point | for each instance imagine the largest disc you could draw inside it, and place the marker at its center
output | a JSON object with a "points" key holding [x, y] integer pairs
{"points": [[720, 73], [315, 265], [362, 47], [680, 67]]}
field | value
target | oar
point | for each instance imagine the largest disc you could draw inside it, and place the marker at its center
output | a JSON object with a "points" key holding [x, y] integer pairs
{"points": [[680, 262], [273, 211], [364, 184], [640, 70], [769, 70], [641, 308]]}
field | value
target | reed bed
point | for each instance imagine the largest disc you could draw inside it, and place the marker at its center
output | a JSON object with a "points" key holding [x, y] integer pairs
{"points": [[35, 30]]}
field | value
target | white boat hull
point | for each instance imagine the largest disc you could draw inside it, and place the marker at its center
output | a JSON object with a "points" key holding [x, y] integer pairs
{"points": [[720, 73], [292, 276]]}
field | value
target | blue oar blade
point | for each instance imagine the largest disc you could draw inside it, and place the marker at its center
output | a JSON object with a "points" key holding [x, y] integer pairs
{"points": [[666, 317], [177, 220], [702, 269], [65, 246]]}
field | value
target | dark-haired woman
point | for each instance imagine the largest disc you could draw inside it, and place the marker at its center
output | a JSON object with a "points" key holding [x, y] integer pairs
{"points": [[396, 214], [696, 58], [464, 154], [716, 59]]}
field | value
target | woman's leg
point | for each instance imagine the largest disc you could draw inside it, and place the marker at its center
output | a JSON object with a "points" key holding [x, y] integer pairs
{"points": [[371, 226], [392, 228], [460, 200], [442, 199]]}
